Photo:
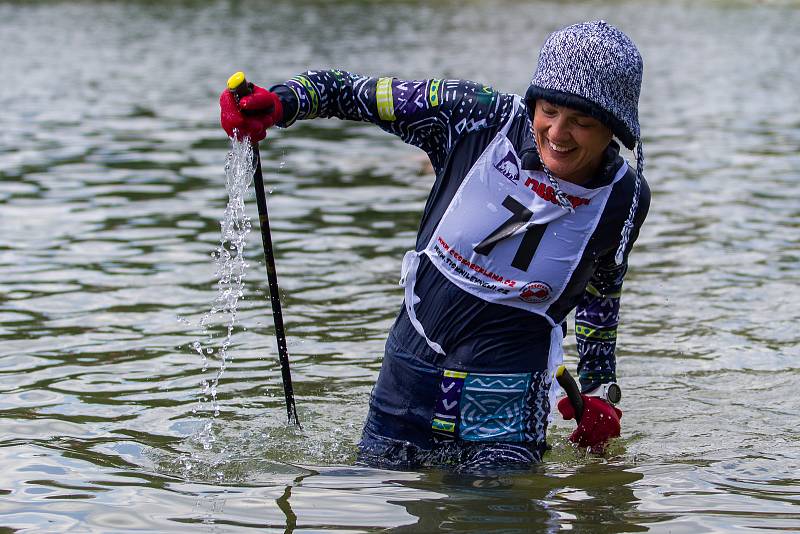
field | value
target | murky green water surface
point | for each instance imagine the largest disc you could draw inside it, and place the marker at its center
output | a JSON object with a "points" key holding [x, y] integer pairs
{"points": [[112, 188]]}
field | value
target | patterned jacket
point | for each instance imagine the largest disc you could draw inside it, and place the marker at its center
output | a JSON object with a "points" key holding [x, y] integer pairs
{"points": [[453, 121]]}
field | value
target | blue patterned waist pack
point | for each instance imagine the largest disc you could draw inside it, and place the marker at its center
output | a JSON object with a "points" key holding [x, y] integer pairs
{"points": [[510, 407]]}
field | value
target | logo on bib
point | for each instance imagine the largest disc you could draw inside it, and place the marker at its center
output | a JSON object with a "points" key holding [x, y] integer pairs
{"points": [[535, 292], [508, 167]]}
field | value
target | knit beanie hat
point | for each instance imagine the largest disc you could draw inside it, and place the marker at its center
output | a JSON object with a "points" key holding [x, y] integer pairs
{"points": [[594, 68]]}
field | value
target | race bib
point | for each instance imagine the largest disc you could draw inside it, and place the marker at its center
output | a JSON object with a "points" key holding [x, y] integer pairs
{"points": [[505, 239]]}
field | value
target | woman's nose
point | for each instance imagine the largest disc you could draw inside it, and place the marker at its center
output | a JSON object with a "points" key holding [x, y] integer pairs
{"points": [[559, 130]]}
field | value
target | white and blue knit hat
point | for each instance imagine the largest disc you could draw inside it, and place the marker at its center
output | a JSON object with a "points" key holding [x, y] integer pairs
{"points": [[595, 68]]}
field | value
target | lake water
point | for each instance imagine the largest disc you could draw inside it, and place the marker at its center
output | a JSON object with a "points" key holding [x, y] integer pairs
{"points": [[112, 188]]}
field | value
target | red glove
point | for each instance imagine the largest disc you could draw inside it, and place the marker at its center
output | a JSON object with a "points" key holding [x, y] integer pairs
{"points": [[251, 115], [599, 422]]}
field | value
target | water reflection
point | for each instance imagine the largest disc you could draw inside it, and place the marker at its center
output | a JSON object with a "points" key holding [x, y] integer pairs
{"points": [[544, 500]]}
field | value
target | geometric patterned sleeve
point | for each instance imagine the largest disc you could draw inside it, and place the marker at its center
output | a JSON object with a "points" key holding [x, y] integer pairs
{"points": [[597, 313], [430, 114], [596, 321]]}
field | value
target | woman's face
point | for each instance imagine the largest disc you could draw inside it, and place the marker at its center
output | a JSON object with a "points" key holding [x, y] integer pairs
{"points": [[571, 143]]}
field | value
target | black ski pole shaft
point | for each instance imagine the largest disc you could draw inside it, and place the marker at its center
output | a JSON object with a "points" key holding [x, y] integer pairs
{"points": [[239, 86], [572, 390]]}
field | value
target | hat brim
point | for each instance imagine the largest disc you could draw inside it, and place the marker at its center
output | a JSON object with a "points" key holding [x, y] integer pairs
{"points": [[573, 101]]}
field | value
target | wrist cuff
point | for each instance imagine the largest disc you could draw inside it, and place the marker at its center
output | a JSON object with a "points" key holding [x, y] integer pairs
{"points": [[289, 103]]}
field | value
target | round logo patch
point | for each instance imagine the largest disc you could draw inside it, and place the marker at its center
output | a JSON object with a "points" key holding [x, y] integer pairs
{"points": [[535, 292]]}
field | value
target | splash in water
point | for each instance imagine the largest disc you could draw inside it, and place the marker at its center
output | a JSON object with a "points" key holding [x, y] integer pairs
{"points": [[231, 268]]}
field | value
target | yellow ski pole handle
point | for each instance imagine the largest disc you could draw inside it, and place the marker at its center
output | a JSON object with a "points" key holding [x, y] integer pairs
{"points": [[238, 85]]}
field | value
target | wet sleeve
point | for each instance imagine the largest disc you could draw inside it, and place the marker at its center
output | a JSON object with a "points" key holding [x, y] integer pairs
{"points": [[430, 114], [597, 313], [596, 321]]}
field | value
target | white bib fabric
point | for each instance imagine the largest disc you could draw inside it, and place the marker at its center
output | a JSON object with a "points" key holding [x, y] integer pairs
{"points": [[505, 239]]}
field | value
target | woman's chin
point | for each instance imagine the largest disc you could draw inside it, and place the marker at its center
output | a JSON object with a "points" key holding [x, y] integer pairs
{"points": [[559, 169]]}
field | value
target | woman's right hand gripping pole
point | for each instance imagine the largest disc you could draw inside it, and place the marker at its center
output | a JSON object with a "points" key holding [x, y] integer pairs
{"points": [[251, 115]]}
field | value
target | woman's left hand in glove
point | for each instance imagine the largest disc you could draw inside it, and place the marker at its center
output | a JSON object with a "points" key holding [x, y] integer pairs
{"points": [[598, 424]]}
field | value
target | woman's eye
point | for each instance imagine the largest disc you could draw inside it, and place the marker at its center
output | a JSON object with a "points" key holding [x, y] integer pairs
{"points": [[585, 123]]}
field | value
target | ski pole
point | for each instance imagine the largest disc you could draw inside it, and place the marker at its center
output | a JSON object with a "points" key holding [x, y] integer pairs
{"points": [[239, 86]]}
